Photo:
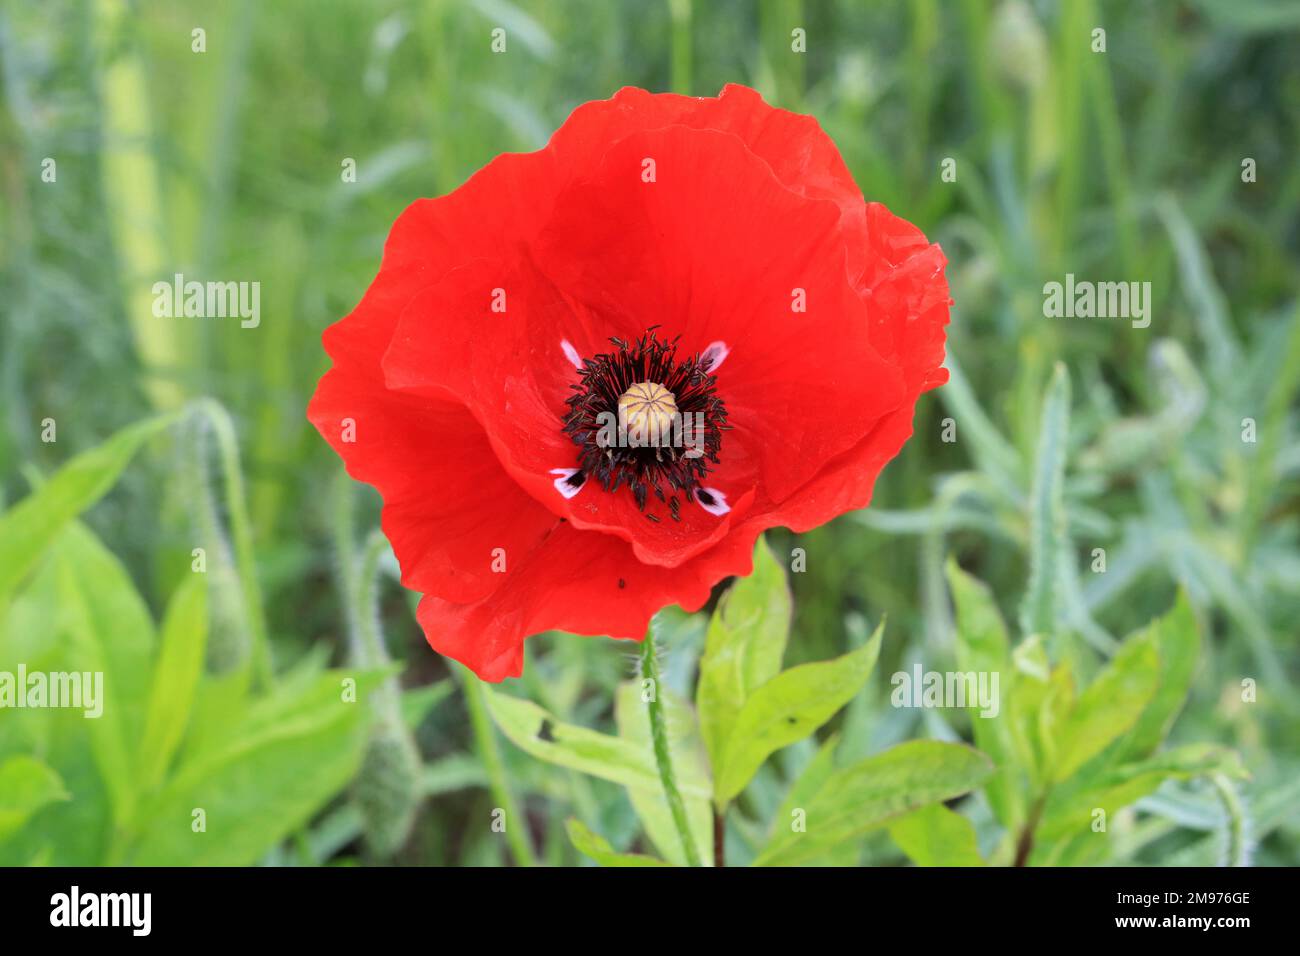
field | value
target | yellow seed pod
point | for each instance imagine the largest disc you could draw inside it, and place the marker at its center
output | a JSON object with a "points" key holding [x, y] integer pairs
{"points": [[648, 409]]}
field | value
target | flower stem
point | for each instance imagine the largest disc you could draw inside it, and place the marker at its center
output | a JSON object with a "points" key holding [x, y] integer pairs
{"points": [[679, 12], [719, 837], [490, 756], [659, 735], [241, 536], [372, 638], [1025, 844]]}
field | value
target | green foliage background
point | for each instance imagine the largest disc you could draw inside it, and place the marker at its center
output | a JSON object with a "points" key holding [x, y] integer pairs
{"points": [[1072, 435]]}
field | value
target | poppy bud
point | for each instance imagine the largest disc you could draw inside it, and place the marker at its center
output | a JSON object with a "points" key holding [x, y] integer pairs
{"points": [[387, 790]]}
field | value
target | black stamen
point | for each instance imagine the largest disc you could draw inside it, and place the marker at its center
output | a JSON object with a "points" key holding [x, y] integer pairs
{"points": [[666, 468]]}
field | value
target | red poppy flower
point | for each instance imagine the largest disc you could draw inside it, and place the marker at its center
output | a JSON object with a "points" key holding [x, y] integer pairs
{"points": [[589, 378]]}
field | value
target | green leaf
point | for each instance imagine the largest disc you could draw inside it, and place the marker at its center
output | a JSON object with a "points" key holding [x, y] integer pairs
{"points": [[279, 766], [983, 647], [109, 631], [807, 784], [26, 785], [1110, 705], [1178, 643], [538, 732], [71, 832], [219, 704], [936, 836], [311, 697], [1055, 714], [33, 627], [597, 848], [1209, 306], [982, 643], [689, 765], [996, 456], [1047, 518], [32, 525], [743, 648], [787, 708], [1025, 701], [1070, 810], [858, 798], [180, 663]]}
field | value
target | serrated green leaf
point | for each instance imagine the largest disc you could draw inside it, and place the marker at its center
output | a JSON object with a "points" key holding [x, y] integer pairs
{"points": [[26, 785], [175, 677], [597, 848], [743, 649], [983, 647], [1071, 810], [858, 798], [1178, 644], [936, 836], [538, 732], [1110, 705], [789, 707], [32, 525]]}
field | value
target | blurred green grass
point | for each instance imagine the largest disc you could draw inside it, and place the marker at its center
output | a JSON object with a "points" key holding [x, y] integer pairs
{"points": [[1124, 166]]}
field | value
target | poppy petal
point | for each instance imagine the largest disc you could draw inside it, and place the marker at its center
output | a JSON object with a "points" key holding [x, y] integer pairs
{"points": [[714, 248], [450, 509], [582, 582]]}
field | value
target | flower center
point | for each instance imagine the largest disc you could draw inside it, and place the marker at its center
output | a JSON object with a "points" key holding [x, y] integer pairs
{"points": [[649, 408], [643, 418]]}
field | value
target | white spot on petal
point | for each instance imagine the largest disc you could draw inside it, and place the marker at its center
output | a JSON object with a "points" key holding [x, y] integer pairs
{"points": [[571, 354], [711, 358], [712, 500], [565, 484]]}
